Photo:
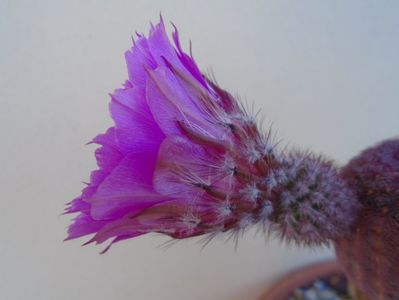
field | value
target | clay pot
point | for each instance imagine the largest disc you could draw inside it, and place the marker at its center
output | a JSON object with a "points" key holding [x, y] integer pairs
{"points": [[284, 288]]}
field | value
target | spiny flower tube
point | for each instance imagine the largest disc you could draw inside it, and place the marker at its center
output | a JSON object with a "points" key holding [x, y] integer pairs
{"points": [[185, 159]]}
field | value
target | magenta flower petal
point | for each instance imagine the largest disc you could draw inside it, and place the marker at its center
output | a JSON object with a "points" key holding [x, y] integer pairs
{"points": [[138, 59], [160, 47], [188, 60], [169, 102], [108, 156], [135, 128], [181, 162], [83, 225], [128, 186], [77, 205]]}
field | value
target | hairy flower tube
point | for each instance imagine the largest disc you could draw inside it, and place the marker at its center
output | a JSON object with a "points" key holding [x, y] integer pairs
{"points": [[185, 159]]}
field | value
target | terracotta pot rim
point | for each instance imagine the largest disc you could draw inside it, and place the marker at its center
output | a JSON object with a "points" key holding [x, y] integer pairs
{"points": [[284, 287]]}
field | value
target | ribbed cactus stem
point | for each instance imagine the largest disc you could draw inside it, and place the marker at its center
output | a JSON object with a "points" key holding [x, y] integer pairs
{"points": [[356, 294], [369, 255]]}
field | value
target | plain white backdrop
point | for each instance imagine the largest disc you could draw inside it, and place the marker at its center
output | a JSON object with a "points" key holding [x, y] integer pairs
{"points": [[325, 73]]}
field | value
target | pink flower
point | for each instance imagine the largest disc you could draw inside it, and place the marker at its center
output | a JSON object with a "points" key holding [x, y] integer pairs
{"points": [[185, 159]]}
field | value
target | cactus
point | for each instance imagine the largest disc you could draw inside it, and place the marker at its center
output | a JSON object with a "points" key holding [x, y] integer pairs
{"points": [[369, 255], [184, 158]]}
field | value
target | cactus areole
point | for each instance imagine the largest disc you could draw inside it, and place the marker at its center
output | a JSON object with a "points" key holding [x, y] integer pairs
{"points": [[185, 158]]}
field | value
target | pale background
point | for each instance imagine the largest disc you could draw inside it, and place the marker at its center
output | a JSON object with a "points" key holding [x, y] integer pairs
{"points": [[324, 72]]}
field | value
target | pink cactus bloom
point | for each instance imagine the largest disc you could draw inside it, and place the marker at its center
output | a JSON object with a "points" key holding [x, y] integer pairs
{"points": [[185, 159]]}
